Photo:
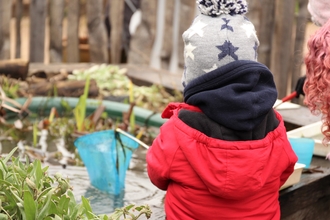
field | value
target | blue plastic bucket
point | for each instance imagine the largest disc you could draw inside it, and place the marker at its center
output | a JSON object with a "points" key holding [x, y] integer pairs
{"points": [[304, 148], [106, 155]]}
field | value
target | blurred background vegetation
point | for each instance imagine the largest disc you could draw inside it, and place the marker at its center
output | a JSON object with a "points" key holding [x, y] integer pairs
{"points": [[144, 33]]}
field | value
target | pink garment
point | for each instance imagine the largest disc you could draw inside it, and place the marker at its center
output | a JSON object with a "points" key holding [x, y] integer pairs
{"points": [[319, 10], [208, 178]]}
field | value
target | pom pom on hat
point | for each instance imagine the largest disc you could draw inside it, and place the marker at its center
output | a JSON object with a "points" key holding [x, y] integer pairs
{"points": [[215, 8]]}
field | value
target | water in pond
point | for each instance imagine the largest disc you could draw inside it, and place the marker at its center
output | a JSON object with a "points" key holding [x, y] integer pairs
{"points": [[138, 188]]}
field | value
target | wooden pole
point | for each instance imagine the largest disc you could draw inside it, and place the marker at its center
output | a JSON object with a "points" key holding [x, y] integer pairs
{"points": [[174, 60], [72, 46], [38, 11], [97, 36], [262, 16], [282, 49], [56, 26], [116, 20], [187, 15], [18, 14], [5, 15], [302, 20], [155, 61]]}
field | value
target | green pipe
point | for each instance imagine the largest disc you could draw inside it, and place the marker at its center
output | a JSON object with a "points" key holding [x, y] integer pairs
{"points": [[43, 105]]}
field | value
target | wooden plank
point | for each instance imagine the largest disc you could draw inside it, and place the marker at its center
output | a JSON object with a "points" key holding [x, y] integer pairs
{"points": [[262, 16], [38, 10], [155, 57], [69, 88], [72, 46], [14, 68], [310, 198], [281, 57], [18, 16], [5, 15], [116, 20], [97, 36], [56, 26], [143, 39], [187, 15], [298, 58]]}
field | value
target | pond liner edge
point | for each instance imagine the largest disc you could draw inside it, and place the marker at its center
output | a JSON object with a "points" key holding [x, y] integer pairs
{"points": [[112, 108]]}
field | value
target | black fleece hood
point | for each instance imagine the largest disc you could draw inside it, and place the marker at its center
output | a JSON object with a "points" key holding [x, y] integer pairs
{"points": [[238, 95]]}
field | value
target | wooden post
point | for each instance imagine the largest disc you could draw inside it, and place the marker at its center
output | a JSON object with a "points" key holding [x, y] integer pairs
{"points": [[72, 46], [155, 61], [18, 15], [174, 60], [187, 15], [282, 49], [56, 26], [97, 36], [5, 15], [38, 11], [143, 39], [116, 20], [262, 16], [302, 20]]}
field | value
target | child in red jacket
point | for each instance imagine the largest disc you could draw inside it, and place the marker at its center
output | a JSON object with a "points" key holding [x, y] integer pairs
{"points": [[224, 152]]}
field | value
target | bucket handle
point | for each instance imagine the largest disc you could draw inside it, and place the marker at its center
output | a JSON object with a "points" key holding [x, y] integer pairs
{"points": [[132, 137]]}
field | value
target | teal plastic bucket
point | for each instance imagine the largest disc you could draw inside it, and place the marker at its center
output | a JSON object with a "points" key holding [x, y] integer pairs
{"points": [[106, 155], [304, 149]]}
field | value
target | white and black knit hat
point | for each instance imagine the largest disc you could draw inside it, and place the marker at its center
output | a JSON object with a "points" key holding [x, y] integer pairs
{"points": [[220, 34]]}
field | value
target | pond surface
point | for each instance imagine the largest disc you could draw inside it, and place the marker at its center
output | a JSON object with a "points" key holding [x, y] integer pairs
{"points": [[138, 188]]}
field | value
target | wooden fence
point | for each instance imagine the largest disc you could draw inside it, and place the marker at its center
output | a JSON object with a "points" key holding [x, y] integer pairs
{"points": [[54, 27]]}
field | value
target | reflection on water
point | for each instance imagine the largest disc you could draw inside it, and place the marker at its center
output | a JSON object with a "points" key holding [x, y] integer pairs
{"points": [[138, 188]]}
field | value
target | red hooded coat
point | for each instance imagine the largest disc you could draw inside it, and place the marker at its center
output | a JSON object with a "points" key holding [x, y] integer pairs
{"points": [[209, 178]]}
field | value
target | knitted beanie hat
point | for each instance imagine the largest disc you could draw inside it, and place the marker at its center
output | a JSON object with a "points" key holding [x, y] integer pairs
{"points": [[219, 35], [319, 10]]}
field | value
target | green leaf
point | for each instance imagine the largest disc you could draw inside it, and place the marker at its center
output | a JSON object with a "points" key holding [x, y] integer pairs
{"points": [[29, 204], [43, 193], [20, 171], [38, 173], [63, 204], [35, 134], [46, 206], [53, 208], [9, 155], [88, 208], [14, 192], [80, 110], [22, 212]]}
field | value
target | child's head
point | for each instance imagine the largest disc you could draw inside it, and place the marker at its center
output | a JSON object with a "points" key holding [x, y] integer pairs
{"points": [[317, 84], [219, 35], [319, 10]]}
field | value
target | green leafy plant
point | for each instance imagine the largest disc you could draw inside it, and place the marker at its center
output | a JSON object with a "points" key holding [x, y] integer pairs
{"points": [[9, 86], [28, 192], [132, 212]]}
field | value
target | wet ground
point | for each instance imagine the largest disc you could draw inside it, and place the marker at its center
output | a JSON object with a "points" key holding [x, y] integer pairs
{"points": [[138, 189]]}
